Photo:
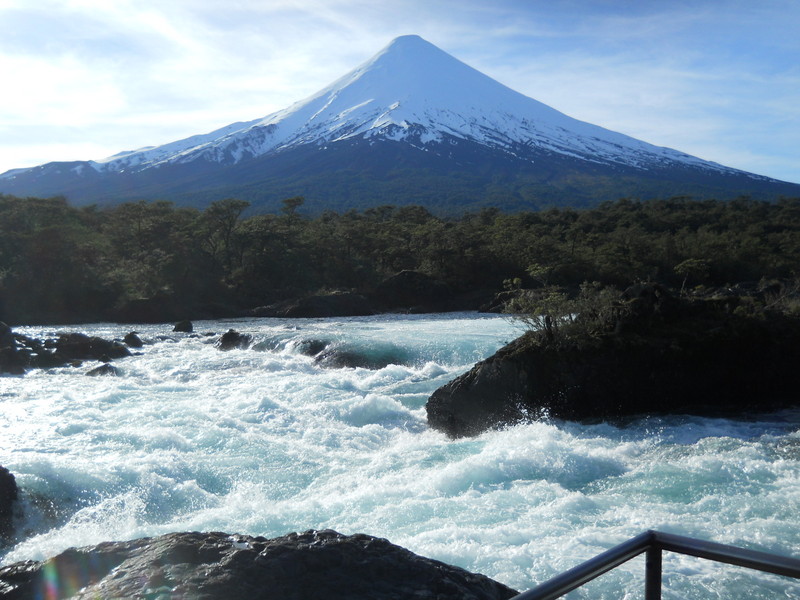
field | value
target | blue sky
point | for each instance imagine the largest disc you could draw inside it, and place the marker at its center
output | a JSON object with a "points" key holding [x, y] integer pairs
{"points": [[84, 79]]}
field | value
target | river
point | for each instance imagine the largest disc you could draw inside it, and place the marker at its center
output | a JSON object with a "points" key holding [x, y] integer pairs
{"points": [[265, 441]]}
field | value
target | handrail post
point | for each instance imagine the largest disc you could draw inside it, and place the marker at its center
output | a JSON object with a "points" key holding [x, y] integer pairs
{"points": [[652, 569]]}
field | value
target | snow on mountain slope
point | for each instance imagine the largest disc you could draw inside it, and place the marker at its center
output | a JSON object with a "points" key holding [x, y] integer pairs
{"points": [[412, 91], [153, 155], [457, 136]]}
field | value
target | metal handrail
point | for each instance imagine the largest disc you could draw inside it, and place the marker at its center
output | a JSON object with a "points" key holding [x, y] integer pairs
{"points": [[654, 543]]}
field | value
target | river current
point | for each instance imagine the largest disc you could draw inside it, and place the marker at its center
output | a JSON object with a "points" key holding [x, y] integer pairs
{"points": [[265, 441]]}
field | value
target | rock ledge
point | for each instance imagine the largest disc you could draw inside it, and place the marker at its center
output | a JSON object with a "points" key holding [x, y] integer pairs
{"points": [[298, 566], [666, 355]]}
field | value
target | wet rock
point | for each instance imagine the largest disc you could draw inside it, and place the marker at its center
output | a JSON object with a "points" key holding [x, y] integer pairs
{"points": [[83, 347], [233, 340], [298, 566], [47, 359], [311, 347], [183, 326], [52, 352], [661, 356], [12, 360], [104, 370], [8, 497], [6, 336], [342, 358], [132, 340]]}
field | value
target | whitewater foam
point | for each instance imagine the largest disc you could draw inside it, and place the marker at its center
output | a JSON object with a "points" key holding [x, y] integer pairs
{"points": [[266, 441]]}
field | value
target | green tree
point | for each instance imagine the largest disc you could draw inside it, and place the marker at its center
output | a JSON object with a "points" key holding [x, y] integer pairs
{"points": [[697, 268], [219, 225]]}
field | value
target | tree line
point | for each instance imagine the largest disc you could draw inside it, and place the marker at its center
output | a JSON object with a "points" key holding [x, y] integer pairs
{"points": [[60, 263]]}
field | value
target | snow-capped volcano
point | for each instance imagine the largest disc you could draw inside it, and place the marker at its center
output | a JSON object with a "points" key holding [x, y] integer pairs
{"points": [[425, 110], [411, 90]]}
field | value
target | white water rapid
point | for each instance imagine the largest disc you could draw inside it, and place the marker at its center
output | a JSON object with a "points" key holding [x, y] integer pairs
{"points": [[264, 441]]}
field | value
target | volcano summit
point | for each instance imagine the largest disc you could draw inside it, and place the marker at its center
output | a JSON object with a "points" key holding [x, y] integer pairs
{"points": [[412, 125]]}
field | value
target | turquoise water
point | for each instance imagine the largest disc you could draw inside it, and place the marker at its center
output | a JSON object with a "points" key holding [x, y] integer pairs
{"points": [[265, 441]]}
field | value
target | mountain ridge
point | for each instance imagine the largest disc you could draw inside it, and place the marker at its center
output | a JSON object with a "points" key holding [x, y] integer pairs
{"points": [[446, 120]]}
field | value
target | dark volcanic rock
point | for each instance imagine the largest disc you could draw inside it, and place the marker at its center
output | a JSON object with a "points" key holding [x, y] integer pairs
{"points": [[81, 347], [233, 340], [46, 359], [340, 358], [314, 564], [8, 496], [311, 347], [6, 336], [184, 326], [68, 348], [104, 370], [12, 360], [664, 356], [132, 340]]}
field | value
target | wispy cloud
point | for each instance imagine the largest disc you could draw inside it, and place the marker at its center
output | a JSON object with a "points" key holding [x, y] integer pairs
{"points": [[718, 80], [91, 77]]}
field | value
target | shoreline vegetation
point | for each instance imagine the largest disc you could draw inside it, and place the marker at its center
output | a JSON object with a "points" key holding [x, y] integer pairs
{"points": [[153, 262]]}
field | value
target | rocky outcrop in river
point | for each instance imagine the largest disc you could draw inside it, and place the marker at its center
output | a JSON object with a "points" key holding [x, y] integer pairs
{"points": [[20, 352], [8, 498], [233, 340], [659, 355], [298, 566]]}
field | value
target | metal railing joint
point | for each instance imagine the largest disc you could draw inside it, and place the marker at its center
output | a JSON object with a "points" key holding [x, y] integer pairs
{"points": [[654, 544]]}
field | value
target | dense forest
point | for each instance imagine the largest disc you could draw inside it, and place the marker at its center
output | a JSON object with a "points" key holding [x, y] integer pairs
{"points": [[61, 264]]}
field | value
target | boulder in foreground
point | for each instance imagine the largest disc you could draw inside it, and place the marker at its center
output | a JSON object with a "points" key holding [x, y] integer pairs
{"points": [[647, 353], [298, 566]]}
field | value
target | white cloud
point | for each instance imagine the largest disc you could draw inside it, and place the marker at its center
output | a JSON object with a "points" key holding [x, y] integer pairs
{"points": [[131, 73], [62, 90]]}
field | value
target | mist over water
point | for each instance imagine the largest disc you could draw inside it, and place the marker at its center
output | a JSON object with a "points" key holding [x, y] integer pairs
{"points": [[267, 441]]}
